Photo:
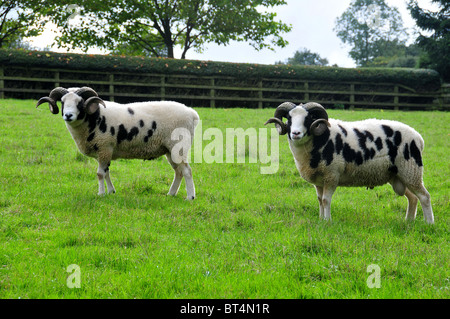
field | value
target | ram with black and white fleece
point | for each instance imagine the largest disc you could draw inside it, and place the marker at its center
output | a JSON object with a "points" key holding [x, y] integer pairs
{"points": [[329, 153], [133, 131]]}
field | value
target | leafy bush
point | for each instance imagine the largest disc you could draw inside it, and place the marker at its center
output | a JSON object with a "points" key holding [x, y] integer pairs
{"points": [[419, 79]]}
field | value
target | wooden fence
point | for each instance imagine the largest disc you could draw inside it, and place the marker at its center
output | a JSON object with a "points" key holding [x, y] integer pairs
{"points": [[218, 91]]}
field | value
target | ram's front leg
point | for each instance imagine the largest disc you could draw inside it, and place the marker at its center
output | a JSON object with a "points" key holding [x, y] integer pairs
{"points": [[328, 191], [103, 174], [319, 191]]}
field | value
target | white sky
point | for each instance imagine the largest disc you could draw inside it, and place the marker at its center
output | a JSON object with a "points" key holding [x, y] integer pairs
{"points": [[312, 28]]}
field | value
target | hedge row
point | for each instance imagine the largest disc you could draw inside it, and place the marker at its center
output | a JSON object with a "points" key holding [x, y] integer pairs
{"points": [[419, 79]]}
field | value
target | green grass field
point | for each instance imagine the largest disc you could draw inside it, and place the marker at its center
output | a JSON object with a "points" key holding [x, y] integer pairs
{"points": [[246, 235]]}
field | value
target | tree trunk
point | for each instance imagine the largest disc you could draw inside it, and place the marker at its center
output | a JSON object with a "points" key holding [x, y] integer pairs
{"points": [[170, 51]]}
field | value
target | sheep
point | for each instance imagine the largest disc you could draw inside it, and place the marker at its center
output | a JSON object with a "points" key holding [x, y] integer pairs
{"points": [[329, 153], [141, 130]]}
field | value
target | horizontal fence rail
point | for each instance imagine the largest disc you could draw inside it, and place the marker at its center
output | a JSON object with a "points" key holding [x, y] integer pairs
{"points": [[218, 91]]}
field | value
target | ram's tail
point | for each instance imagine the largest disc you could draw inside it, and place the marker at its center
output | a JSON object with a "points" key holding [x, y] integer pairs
{"points": [[195, 118]]}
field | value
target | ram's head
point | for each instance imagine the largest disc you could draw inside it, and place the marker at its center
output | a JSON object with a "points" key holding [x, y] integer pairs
{"points": [[75, 103], [302, 120]]}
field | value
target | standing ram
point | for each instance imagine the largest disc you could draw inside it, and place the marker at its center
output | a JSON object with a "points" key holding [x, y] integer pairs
{"points": [[132, 131], [329, 153]]}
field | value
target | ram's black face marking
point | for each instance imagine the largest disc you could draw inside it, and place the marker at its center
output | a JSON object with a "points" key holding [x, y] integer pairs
{"points": [[387, 130], [415, 153], [288, 126], [130, 110], [309, 119], [81, 111]]}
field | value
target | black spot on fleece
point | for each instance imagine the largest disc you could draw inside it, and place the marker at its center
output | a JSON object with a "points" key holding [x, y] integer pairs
{"points": [[124, 135]]}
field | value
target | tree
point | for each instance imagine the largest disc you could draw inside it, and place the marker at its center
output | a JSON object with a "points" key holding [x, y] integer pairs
{"points": [[158, 26], [305, 57], [18, 20], [395, 55], [370, 27], [436, 45]]}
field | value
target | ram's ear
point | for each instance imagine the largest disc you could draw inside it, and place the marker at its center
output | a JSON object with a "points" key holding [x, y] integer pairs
{"points": [[92, 104]]}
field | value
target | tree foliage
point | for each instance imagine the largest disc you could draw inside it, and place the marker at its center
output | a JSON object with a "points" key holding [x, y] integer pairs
{"points": [[18, 20], [436, 45], [156, 27], [371, 28], [305, 57]]}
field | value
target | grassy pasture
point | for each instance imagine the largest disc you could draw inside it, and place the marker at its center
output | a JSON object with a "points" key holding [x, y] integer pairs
{"points": [[246, 235]]}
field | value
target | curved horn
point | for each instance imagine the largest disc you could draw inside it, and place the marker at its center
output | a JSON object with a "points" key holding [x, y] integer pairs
{"points": [[55, 95], [319, 126], [284, 109], [86, 92], [316, 109], [281, 111]]}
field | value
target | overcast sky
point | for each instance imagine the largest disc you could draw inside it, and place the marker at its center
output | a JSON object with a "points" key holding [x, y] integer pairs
{"points": [[312, 28]]}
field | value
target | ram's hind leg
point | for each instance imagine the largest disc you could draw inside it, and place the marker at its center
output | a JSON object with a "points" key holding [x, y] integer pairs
{"points": [[412, 205], [425, 200], [400, 189], [181, 169], [177, 178], [187, 173]]}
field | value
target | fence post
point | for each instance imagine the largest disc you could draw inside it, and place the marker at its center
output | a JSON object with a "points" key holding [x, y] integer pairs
{"points": [[260, 94], [111, 87], [306, 86], [212, 94], [163, 87], [57, 80], [352, 96], [2, 83], [396, 99]]}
